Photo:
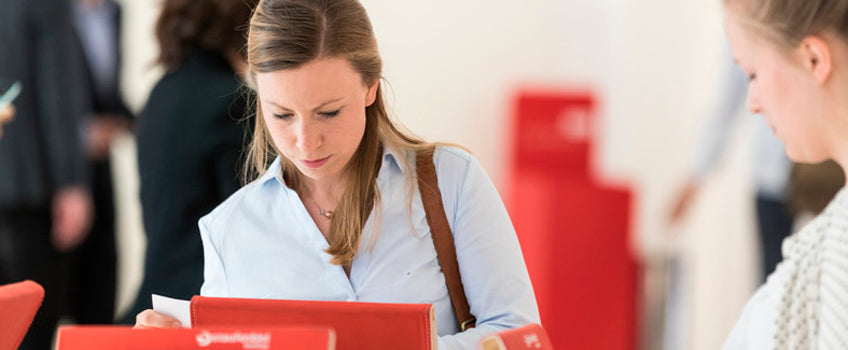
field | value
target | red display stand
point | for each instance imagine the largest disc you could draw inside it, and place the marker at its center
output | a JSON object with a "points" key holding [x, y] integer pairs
{"points": [[573, 229]]}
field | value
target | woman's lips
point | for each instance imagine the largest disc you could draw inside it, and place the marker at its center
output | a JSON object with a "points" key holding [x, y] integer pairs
{"points": [[317, 163]]}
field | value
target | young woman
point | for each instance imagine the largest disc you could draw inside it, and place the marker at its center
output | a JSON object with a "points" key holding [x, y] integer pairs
{"points": [[796, 53], [336, 215]]}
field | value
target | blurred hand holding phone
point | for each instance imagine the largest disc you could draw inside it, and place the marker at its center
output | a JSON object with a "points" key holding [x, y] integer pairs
{"points": [[10, 94], [7, 110]]}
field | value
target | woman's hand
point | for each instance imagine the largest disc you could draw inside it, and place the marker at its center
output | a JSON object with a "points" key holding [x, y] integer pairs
{"points": [[151, 319]]}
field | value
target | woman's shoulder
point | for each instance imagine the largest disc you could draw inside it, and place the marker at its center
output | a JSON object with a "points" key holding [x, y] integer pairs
{"points": [[244, 200], [454, 162], [199, 82], [447, 157]]}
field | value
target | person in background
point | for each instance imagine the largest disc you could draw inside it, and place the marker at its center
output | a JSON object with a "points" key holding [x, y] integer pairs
{"points": [[92, 268], [333, 212], [45, 205], [795, 54], [189, 139]]}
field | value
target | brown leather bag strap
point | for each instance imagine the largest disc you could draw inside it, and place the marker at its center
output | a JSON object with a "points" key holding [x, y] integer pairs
{"points": [[431, 196]]}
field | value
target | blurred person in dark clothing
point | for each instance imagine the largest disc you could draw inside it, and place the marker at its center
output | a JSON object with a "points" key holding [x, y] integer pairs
{"points": [[45, 206], [92, 268], [189, 139]]}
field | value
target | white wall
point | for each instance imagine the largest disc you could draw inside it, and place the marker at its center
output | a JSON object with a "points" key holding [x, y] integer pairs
{"points": [[666, 66], [453, 66]]}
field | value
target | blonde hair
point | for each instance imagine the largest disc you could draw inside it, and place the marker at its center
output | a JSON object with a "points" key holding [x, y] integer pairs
{"points": [[286, 34], [787, 22]]}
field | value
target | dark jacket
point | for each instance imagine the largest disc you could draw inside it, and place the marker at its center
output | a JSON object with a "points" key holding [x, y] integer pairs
{"points": [[189, 146], [40, 151]]}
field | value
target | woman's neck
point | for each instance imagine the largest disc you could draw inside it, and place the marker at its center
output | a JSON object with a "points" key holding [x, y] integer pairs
{"points": [[838, 130], [326, 193], [237, 63], [839, 148]]}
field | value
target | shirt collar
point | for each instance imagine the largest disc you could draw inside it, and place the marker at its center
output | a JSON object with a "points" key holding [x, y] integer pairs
{"points": [[390, 158], [274, 171]]}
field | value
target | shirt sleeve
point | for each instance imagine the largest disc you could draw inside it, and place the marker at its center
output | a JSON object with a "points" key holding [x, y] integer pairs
{"points": [[214, 275], [57, 72], [494, 275]]}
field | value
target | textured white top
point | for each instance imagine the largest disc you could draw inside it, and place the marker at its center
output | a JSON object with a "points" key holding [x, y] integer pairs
{"points": [[804, 303]]}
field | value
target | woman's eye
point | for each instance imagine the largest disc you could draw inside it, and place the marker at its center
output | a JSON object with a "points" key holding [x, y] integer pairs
{"points": [[330, 114], [283, 116]]}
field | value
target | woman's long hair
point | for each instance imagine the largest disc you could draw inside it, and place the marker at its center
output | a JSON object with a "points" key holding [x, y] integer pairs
{"points": [[286, 34]]}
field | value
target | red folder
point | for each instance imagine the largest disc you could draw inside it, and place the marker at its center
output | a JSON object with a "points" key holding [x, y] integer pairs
{"points": [[358, 325], [18, 304], [126, 338], [525, 338]]}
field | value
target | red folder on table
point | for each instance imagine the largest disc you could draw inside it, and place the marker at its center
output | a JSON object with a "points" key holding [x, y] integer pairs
{"points": [[357, 325], [19, 303], [126, 338], [529, 337]]}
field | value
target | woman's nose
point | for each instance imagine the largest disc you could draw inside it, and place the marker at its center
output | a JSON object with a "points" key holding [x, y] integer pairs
{"points": [[308, 136]]}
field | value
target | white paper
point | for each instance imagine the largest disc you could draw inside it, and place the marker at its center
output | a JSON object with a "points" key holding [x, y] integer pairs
{"points": [[176, 308]]}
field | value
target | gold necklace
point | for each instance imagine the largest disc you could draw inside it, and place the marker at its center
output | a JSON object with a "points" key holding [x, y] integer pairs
{"points": [[326, 213]]}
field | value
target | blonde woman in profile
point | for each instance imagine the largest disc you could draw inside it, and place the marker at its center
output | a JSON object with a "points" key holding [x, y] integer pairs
{"points": [[795, 53], [333, 210]]}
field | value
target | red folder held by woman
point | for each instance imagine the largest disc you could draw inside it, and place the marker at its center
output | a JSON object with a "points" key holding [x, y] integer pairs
{"points": [[357, 325]]}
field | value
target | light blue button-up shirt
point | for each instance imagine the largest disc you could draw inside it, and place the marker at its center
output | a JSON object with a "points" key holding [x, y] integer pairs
{"points": [[262, 243]]}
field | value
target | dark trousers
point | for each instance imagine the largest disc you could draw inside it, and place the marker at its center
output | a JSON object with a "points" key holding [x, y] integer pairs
{"points": [[775, 223], [27, 253], [80, 284], [92, 266]]}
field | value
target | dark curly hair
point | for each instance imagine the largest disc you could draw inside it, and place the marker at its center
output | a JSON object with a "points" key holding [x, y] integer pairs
{"points": [[212, 25]]}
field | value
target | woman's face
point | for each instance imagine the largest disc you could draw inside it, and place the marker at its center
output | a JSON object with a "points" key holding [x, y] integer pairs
{"points": [[781, 90], [316, 114]]}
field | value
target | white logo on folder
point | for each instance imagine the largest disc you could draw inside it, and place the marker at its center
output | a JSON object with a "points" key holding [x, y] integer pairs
{"points": [[532, 341], [250, 340]]}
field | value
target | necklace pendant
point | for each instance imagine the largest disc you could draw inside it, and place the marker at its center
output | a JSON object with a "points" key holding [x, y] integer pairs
{"points": [[327, 213]]}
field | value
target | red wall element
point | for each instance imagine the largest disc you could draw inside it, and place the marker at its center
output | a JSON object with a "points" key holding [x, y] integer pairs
{"points": [[573, 230]]}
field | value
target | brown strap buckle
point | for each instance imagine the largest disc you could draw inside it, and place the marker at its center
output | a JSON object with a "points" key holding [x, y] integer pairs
{"points": [[469, 323]]}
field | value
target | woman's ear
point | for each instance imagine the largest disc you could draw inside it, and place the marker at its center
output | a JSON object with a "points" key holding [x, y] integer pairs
{"points": [[371, 96], [816, 56]]}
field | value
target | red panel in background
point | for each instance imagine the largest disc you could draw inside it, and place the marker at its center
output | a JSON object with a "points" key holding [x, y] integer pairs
{"points": [[574, 231], [553, 132]]}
